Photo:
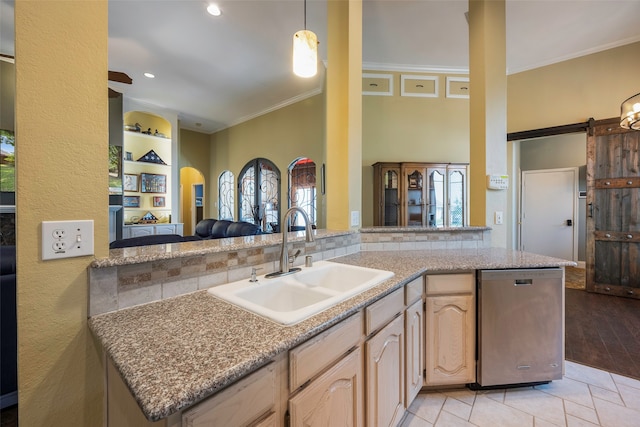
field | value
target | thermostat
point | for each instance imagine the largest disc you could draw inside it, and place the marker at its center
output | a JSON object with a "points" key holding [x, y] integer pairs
{"points": [[497, 182]]}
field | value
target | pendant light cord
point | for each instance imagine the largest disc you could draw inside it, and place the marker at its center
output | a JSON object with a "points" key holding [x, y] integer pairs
{"points": [[305, 14]]}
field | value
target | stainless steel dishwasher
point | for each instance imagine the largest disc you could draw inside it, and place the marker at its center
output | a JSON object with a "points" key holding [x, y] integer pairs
{"points": [[520, 326]]}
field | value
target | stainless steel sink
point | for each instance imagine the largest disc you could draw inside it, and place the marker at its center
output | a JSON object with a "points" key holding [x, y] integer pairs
{"points": [[290, 299]]}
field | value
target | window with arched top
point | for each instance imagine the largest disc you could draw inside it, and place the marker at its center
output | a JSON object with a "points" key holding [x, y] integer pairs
{"points": [[302, 189], [226, 193], [259, 194]]}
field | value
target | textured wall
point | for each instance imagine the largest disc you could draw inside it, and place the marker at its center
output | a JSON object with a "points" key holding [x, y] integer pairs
{"points": [[62, 139], [574, 90]]}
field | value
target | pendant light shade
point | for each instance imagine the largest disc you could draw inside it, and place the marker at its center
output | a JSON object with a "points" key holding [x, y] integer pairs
{"points": [[305, 50], [305, 53], [630, 113]]}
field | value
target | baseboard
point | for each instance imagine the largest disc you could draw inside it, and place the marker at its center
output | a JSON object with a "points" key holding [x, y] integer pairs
{"points": [[8, 399]]}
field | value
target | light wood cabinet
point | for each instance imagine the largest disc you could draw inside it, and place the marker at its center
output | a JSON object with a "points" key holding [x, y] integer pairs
{"points": [[414, 350], [334, 398], [385, 374], [450, 329], [420, 194], [250, 401]]}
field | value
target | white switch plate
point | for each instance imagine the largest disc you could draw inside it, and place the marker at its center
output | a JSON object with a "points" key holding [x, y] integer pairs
{"points": [[66, 239], [499, 218], [355, 218]]}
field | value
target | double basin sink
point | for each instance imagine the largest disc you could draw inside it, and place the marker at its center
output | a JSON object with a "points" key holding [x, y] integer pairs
{"points": [[292, 298]]}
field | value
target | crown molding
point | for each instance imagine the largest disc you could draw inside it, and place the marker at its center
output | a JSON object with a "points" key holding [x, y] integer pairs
{"points": [[591, 51], [377, 66]]}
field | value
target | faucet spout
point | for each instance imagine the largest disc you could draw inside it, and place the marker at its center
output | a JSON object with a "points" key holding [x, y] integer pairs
{"points": [[284, 250]]}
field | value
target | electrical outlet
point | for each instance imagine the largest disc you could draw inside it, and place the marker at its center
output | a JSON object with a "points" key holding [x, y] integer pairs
{"points": [[498, 218], [59, 246], [59, 233], [66, 239]]}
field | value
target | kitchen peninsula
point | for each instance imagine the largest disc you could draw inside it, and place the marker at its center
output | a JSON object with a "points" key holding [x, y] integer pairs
{"points": [[182, 348]]}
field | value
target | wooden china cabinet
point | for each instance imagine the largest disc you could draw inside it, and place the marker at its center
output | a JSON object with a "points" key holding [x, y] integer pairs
{"points": [[420, 194]]}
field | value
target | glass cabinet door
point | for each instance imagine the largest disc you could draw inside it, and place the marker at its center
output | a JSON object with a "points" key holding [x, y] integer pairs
{"points": [[457, 197], [391, 213], [415, 203], [436, 197]]}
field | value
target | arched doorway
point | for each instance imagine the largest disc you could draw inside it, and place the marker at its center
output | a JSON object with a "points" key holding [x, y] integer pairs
{"points": [[192, 198]]}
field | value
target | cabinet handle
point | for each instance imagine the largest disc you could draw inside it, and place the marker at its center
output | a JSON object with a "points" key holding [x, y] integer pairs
{"points": [[629, 182], [607, 183], [607, 289], [630, 292], [590, 210], [629, 236], [607, 235]]}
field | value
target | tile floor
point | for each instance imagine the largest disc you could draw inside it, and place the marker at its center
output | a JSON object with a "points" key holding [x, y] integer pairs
{"points": [[585, 397]]}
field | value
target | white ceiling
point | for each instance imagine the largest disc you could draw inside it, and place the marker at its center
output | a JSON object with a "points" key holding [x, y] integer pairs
{"points": [[218, 71]]}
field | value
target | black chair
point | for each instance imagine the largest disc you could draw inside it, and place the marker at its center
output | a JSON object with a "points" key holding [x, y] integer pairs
{"points": [[204, 228], [241, 228], [220, 228], [155, 239]]}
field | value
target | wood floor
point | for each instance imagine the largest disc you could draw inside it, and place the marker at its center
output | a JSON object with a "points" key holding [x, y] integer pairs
{"points": [[603, 331]]}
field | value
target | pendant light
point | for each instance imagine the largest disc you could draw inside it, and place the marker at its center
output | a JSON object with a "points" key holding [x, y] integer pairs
{"points": [[305, 50], [630, 113]]}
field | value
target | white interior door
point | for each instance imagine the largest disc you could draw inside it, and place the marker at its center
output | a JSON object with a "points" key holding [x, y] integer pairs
{"points": [[549, 212]]}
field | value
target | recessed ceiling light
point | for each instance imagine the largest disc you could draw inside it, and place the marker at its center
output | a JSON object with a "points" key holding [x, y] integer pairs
{"points": [[149, 75], [214, 10]]}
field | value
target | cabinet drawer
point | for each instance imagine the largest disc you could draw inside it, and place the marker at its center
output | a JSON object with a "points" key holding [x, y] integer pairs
{"points": [[239, 404], [413, 291], [381, 312], [318, 353], [440, 284]]}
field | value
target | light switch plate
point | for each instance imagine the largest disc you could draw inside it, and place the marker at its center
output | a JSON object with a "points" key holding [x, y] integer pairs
{"points": [[499, 218], [66, 239], [355, 218]]}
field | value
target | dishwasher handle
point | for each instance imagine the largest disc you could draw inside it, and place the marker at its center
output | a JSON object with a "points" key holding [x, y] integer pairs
{"points": [[523, 282]]}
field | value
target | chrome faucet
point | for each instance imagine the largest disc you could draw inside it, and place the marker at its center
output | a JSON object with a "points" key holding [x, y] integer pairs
{"points": [[284, 250]]}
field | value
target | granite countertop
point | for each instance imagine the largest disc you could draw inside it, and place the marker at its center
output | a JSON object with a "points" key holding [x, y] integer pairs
{"points": [[140, 254], [414, 229], [175, 352]]}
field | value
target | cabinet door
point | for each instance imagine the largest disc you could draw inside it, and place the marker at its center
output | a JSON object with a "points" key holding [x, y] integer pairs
{"points": [[165, 229], [139, 231], [436, 196], [456, 196], [450, 340], [385, 375], [334, 398], [386, 194], [414, 350], [414, 199]]}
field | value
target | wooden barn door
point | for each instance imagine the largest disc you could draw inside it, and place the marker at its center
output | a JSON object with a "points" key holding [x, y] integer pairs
{"points": [[613, 210]]}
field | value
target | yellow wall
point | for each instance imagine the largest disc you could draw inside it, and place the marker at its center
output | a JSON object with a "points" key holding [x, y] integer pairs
{"points": [[280, 136], [188, 178], [62, 141], [400, 128], [574, 90], [195, 152]]}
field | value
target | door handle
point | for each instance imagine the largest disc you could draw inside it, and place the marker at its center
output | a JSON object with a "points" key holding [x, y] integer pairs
{"points": [[569, 222]]}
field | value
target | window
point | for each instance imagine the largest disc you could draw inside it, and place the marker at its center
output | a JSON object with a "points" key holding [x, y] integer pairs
{"points": [[259, 194], [302, 190], [225, 195]]}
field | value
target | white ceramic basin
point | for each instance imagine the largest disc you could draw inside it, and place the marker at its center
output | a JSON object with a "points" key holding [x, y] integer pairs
{"points": [[290, 299]]}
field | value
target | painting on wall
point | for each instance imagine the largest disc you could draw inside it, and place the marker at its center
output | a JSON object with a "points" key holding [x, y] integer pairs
{"points": [[153, 183], [130, 182], [131, 201]]}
